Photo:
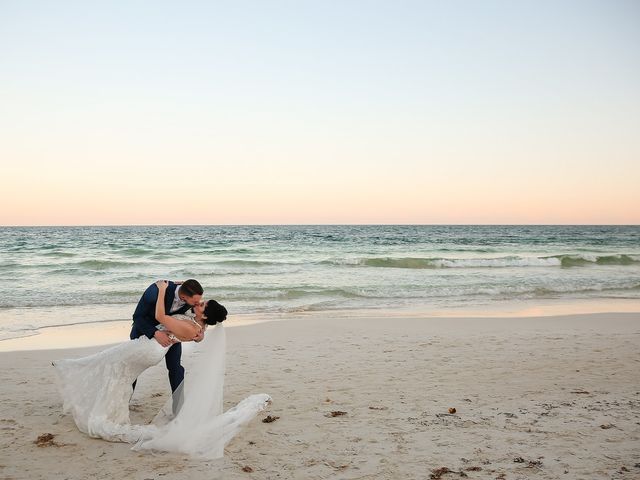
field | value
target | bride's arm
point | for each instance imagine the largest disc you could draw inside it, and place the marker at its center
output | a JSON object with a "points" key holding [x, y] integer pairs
{"points": [[185, 331]]}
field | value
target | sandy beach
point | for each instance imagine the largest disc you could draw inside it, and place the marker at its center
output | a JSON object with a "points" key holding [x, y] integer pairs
{"points": [[370, 397]]}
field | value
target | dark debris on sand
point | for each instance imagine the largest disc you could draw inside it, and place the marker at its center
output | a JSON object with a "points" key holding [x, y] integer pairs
{"points": [[530, 463], [270, 419], [46, 440], [437, 473], [335, 413]]}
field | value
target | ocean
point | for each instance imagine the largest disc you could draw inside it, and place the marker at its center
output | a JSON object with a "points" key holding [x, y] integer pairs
{"points": [[64, 275]]}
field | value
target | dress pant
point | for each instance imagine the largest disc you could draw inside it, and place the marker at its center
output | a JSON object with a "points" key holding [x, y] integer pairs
{"points": [[172, 360]]}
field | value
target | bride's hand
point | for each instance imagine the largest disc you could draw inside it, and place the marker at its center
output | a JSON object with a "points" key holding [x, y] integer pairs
{"points": [[199, 336], [162, 284]]}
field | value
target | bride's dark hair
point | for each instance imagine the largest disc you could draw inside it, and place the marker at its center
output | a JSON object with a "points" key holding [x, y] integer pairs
{"points": [[214, 312]]}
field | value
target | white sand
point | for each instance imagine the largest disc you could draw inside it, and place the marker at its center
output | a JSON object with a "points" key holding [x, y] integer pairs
{"points": [[541, 397]]}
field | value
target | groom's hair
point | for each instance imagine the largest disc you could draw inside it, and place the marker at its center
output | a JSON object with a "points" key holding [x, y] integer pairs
{"points": [[214, 312], [191, 287]]}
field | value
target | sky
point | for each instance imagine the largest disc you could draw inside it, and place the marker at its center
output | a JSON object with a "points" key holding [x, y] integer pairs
{"points": [[314, 112]]}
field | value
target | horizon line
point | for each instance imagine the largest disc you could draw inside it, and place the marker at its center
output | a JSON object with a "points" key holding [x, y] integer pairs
{"points": [[329, 225]]}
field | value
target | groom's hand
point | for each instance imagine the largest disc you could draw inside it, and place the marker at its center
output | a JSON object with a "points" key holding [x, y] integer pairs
{"points": [[162, 338]]}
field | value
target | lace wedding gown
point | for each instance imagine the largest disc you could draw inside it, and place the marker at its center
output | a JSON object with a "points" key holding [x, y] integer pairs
{"points": [[96, 390]]}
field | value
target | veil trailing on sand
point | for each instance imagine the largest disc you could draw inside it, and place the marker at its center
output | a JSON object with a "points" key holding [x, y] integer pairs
{"points": [[199, 428]]}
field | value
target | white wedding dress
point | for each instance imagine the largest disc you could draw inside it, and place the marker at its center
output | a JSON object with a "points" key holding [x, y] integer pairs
{"points": [[96, 390]]}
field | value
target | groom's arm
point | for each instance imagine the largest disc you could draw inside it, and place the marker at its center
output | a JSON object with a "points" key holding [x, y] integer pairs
{"points": [[144, 315]]}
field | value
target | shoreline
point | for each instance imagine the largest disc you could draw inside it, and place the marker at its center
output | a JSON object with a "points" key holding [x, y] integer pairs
{"points": [[105, 332]]}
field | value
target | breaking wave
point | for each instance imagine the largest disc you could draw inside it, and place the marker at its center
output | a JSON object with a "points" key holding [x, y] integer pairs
{"points": [[567, 260]]}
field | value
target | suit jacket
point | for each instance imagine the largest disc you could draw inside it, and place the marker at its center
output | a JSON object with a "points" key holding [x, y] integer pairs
{"points": [[144, 316]]}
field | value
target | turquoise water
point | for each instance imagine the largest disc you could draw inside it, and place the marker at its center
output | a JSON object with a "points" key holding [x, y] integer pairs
{"points": [[265, 269]]}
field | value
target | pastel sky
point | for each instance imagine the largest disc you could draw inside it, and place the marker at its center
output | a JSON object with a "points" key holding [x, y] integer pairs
{"points": [[272, 112]]}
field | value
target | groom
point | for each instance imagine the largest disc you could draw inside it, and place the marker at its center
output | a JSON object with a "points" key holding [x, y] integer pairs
{"points": [[178, 298]]}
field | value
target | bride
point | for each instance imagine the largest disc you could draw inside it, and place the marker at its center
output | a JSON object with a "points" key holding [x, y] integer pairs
{"points": [[96, 391]]}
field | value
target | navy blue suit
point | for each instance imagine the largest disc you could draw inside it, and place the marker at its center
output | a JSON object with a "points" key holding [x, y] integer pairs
{"points": [[145, 323]]}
